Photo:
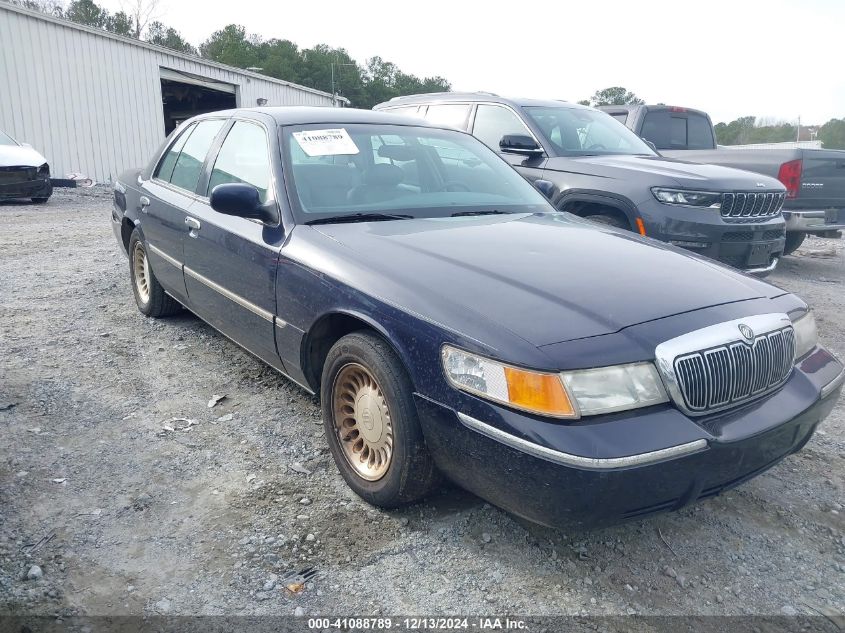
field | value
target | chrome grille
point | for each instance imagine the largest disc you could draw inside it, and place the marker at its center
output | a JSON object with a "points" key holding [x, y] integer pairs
{"points": [[733, 373], [750, 204]]}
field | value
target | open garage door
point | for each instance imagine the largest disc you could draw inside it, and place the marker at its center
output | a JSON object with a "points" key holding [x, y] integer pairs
{"points": [[184, 95]]}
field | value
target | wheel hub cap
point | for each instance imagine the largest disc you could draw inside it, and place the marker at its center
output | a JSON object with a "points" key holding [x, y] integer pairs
{"points": [[362, 422], [141, 270]]}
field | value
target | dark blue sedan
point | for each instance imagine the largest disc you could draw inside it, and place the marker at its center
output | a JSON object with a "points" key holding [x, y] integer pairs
{"points": [[454, 324]]}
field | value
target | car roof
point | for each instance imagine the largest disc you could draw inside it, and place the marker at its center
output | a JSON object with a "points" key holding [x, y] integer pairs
{"points": [[486, 97], [305, 115]]}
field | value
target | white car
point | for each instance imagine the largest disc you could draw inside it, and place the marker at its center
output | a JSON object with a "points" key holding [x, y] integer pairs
{"points": [[24, 173]]}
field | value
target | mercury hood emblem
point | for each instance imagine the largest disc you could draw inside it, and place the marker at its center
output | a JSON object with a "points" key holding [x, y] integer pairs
{"points": [[747, 332]]}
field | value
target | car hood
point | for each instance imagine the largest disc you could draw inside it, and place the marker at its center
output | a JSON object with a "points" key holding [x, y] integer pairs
{"points": [[546, 277], [660, 170], [20, 156]]}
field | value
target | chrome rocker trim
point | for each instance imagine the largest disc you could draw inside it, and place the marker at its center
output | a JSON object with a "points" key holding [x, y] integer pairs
{"points": [[170, 260], [578, 461]]}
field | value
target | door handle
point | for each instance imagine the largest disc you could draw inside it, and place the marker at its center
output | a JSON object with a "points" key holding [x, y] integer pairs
{"points": [[145, 202], [193, 223]]}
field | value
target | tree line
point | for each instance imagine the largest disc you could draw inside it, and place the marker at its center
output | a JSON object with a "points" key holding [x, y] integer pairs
{"points": [[322, 67]]}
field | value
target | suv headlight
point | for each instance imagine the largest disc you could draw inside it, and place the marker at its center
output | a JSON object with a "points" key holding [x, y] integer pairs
{"points": [[569, 394], [44, 170], [806, 335], [682, 197]]}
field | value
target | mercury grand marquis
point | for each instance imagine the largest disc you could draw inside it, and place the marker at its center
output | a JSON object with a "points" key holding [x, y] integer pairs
{"points": [[453, 323]]}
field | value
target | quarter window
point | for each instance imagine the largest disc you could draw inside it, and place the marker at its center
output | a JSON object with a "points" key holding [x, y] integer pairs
{"points": [[186, 171], [449, 115], [243, 158], [494, 122]]}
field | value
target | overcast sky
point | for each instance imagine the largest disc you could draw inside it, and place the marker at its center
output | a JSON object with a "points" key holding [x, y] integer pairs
{"points": [[774, 58]]}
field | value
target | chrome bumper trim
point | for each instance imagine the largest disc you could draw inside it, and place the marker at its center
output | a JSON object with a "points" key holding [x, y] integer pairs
{"points": [[830, 387], [809, 221], [578, 461], [255, 309], [764, 269], [170, 260]]}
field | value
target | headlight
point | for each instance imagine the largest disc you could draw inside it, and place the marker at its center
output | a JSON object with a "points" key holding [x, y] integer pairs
{"points": [[44, 170], [806, 335], [616, 388], [533, 391], [686, 198], [567, 395]]}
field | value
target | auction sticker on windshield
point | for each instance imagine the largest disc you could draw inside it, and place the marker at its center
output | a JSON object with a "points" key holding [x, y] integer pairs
{"points": [[334, 142]]}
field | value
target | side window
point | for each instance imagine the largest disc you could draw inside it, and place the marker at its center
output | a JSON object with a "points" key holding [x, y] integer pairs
{"points": [[404, 110], [165, 168], [186, 172], [620, 116], [243, 158], [493, 122], [699, 132], [449, 115]]}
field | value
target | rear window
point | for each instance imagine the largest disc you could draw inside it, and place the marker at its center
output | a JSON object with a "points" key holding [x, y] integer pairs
{"points": [[678, 130]]}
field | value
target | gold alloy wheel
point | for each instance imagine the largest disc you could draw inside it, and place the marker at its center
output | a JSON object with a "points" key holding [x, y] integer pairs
{"points": [[362, 422], [141, 268]]}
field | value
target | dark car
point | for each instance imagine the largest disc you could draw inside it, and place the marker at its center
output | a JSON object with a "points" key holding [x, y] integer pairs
{"points": [[24, 173], [604, 172], [454, 323], [814, 178]]}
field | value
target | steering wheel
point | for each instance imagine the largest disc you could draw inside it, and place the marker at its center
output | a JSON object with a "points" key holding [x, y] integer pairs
{"points": [[454, 185], [596, 146]]}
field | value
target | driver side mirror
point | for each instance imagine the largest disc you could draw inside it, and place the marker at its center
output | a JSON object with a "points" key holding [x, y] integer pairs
{"points": [[520, 144], [243, 201]]}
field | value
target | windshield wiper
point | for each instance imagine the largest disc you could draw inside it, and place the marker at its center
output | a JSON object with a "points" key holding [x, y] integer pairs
{"points": [[359, 217], [488, 212]]}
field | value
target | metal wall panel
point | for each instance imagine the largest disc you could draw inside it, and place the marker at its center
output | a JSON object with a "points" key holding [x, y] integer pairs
{"points": [[91, 101]]}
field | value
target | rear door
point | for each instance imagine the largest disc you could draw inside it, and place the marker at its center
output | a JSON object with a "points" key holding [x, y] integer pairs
{"points": [[230, 262], [492, 121], [167, 196]]}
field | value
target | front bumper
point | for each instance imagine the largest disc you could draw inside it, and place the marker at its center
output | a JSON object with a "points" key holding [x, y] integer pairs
{"points": [[40, 188], [751, 246], [600, 472], [815, 221]]}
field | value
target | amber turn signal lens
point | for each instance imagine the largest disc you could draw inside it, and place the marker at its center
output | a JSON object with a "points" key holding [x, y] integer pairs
{"points": [[543, 393]]}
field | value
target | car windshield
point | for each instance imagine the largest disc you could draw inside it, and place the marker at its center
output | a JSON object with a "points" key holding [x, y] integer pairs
{"points": [[370, 171], [579, 132], [6, 140]]}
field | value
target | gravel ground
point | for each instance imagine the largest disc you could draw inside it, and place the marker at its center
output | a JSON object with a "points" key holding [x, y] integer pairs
{"points": [[122, 492]]}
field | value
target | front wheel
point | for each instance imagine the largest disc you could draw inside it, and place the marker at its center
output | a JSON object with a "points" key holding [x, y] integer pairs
{"points": [[794, 239], [371, 423]]}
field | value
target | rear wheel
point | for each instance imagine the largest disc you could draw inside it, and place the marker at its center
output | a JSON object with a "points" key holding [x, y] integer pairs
{"points": [[40, 200], [794, 240], [371, 423], [151, 298], [609, 220]]}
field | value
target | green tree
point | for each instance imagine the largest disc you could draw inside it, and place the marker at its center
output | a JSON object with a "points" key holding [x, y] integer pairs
{"points": [[86, 12], [231, 45], [50, 7], [832, 134], [615, 95], [585, 102], [120, 23], [281, 59], [162, 35]]}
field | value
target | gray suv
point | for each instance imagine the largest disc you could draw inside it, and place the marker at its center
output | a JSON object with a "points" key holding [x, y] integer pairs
{"points": [[591, 165]]}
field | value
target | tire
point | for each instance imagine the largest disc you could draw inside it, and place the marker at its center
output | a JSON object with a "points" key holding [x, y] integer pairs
{"points": [[609, 220], [793, 241], [42, 199], [151, 298], [39, 200], [369, 412]]}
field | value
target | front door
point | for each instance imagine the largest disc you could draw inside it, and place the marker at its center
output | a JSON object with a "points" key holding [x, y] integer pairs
{"points": [[230, 262]]}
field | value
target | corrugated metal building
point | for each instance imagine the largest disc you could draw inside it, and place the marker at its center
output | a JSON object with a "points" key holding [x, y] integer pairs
{"points": [[98, 103]]}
